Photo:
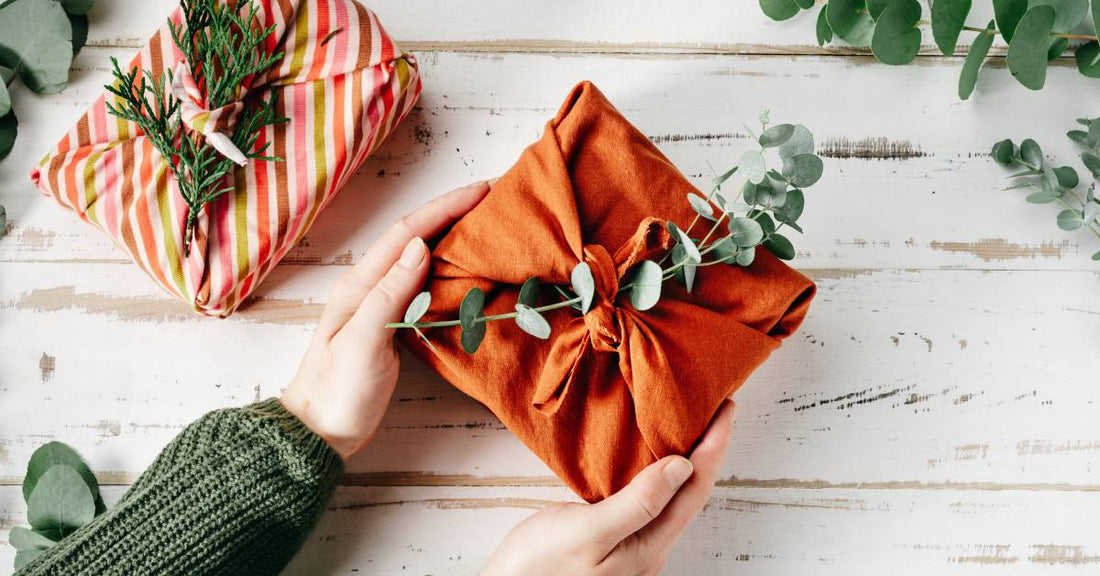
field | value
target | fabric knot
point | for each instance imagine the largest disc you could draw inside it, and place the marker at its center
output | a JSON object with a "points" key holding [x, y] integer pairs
{"points": [[214, 125], [602, 319]]}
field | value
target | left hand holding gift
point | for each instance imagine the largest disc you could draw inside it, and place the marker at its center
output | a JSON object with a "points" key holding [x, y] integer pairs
{"points": [[628, 534], [345, 381]]}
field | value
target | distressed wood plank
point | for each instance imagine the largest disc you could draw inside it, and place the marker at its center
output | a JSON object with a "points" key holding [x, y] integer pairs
{"points": [[452, 531], [897, 377], [900, 190]]}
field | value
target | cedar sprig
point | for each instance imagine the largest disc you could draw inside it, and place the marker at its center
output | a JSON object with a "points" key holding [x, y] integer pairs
{"points": [[766, 201], [224, 52]]}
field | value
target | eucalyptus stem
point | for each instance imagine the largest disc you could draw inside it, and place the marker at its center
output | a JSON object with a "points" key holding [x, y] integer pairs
{"points": [[508, 316]]}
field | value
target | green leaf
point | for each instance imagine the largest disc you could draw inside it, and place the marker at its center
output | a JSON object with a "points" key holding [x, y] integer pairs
{"points": [[948, 19], [791, 210], [1068, 13], [691, 251], [9, 128], [584, 285], [1092, 162], [1031, 153], [800, 142], [645, 285], [1057, 46], [24, 539], [1078, 136], [1096, 256], [771, 193], [780, 246], [77, 7], [701, 206], [36, 42], [779, 9], [1092, 209], [1087, 63], [979, 49], [472, 336], [52, 454], [3, 220], [824, 32], [804, 170], [746, 256], [529, 292], [1027, 53], [531, 322], [1008, 14], [79, 24], [1044, 196], [470, 309], [689, 276], [753, 166], [722, 179], [745, 232], [5, 99], [765, 222], [1070, 220], [875, 7], [1067, 177], [776, 135], [724, 249], [847, 20], [418, 307], [897, 39], [1095, 9], [1004, 152], [61, 500]]}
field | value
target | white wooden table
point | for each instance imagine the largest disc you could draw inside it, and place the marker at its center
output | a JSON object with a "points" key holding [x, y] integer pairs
{"points": [[937, 413]]}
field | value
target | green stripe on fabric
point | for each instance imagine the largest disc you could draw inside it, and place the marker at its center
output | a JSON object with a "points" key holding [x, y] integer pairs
{"points": [[301, 41], [90, 195], [240, 213], [164, 205]]}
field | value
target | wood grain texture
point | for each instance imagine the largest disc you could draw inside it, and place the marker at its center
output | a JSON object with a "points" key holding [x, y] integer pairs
{"points": [[935, 414]]}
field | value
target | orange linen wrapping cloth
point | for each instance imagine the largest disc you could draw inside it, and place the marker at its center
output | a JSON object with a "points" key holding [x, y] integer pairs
{"points": [[616, 389], [342, 83]]}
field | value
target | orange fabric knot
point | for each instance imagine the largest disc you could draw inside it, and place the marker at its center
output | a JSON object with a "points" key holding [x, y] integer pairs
{"points": [[602, 319]]}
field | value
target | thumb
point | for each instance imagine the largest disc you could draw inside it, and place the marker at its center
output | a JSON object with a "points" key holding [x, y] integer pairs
{"points": [[387, 300], [641, 501]]}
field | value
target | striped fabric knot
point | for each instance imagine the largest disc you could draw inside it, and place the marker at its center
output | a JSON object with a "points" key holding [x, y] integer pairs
{"points": [[215, 124]]}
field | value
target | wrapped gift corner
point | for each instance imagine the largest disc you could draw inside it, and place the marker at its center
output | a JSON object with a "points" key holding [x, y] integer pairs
{"points": [[614, 389], [343, 84]]}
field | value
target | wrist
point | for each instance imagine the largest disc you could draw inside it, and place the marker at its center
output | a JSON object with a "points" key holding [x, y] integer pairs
{"points": [[313, 417]]}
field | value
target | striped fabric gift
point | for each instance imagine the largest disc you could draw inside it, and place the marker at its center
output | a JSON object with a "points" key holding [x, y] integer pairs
{"points": [[343, 84]]}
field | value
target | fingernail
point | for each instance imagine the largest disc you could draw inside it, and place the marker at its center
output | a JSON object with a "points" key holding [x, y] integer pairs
{"points": [[492, 181], [413, 254], [677, 472]]}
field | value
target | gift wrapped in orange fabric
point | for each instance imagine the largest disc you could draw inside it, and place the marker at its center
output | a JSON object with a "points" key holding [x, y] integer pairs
{"points": [[341, 83], [615, 389]]}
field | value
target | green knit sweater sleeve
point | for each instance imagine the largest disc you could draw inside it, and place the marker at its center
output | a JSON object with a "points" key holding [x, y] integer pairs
{"points": [[237, 492]]}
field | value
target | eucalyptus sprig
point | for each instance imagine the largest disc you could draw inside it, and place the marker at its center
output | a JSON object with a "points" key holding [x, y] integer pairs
{"points": [[1059, 184], [62, 495], [1037, 31], [223, 51], [767, 200]]}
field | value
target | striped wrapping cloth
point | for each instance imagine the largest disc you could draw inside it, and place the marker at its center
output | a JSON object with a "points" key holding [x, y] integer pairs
{"points": [[343, 84]]}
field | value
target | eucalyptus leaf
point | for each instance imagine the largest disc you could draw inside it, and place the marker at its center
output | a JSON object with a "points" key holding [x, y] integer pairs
{"points": [[531, 322], [1004, 152], [1078, 136], [9, 128], [77, 7], [804, 170], [1027, 53], [529, 292], [779, 245], [3, 220], [791, 210], [701, 206], [1057, 46], [1092, 209], [5, 99], [691, 251], [1067, 177], [1043, 196], [584, 285], [1086, 57], [724, 249], [771, 193], [1031, 153], [1096, 255], [805, 4], [60, 501], [948, 19], [726, 176], [473, 336], [1070, 220], [824, 32], [776, 135], [979, 49], [470, 309], [848, 20], [689, 276], [1068, 13], [645, 285], [752, 165], [800, 142], [1092, 162], [745, 232], [52, 454], [746, 256], [36, 42], [418, 307], [25, 539], [1008, 14], [779, 9], [79, 24], [875, 7]]}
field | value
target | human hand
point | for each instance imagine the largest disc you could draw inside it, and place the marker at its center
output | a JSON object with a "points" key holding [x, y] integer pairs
{"points": [[629, 533], [348, 374]]}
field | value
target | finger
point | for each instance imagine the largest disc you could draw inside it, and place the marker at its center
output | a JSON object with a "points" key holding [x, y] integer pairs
{"points": [[425, 222], [641, 501], [386, 302], [707, 458]]}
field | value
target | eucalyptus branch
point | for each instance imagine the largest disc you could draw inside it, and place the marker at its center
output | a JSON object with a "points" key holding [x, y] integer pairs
{"points": [[1059, 184], [773, 199]]}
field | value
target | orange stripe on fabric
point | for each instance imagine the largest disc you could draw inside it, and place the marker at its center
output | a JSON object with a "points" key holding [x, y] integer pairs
{"points": [[142, 213]]}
